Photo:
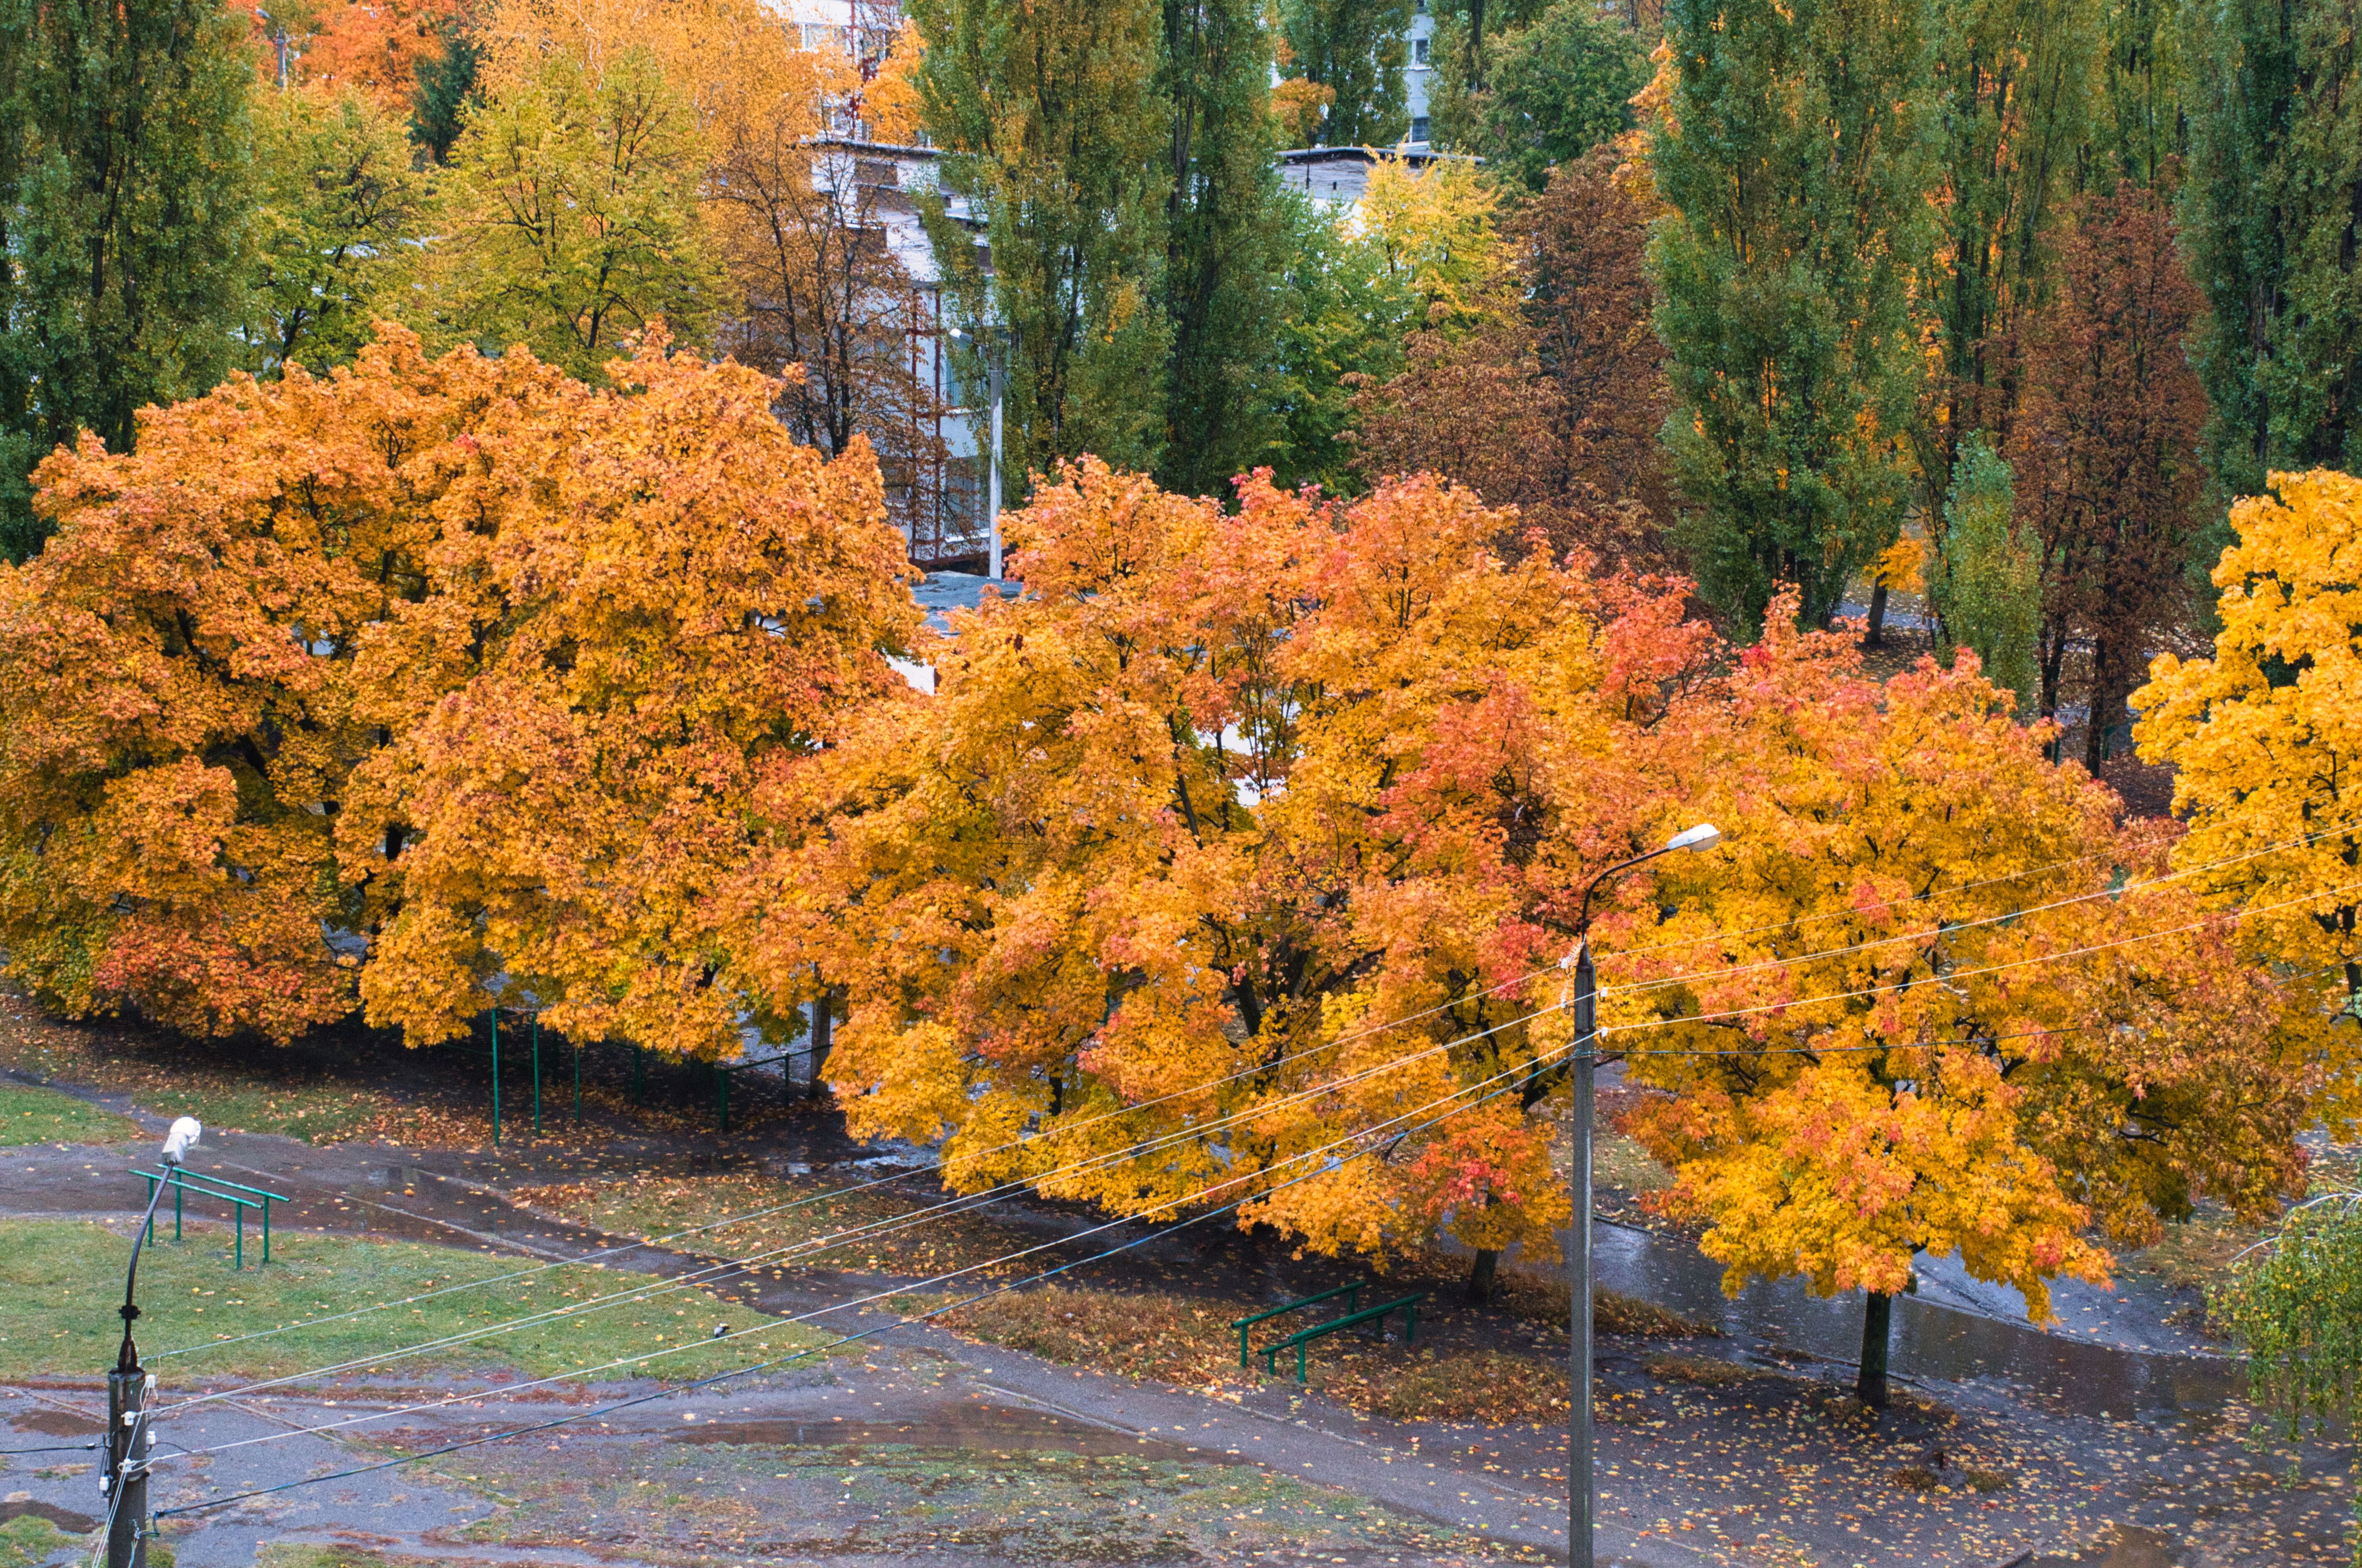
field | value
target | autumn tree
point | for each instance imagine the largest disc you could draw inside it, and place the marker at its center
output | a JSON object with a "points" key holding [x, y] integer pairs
{"points": [[1912, 1005], [2260, 737], [672, 600], [262, 708], [1356, 50], [1180, 829], [1553, 404], [574, 220], [339, 201], [1795, 155], [1986, 581], [2105, 449], [176, 724], [1054, 126], [125, 199]]}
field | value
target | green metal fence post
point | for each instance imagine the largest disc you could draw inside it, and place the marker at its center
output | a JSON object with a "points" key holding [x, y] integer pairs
{"points": [[151, 1208], [537, 1074], [266, 1233], [177, 1190], [496, 1078], [240, 1210]]}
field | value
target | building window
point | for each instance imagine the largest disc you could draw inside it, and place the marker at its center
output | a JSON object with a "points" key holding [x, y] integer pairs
{"points": [[1419, 128], [1418, 51]]}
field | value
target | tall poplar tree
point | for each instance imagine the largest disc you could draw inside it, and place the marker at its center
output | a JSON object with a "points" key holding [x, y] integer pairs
{"points": [[124, 211], [1794, 154], [1053, 123], [1223, 233], [2272, 226], [2014, 82], [1358, 49]]}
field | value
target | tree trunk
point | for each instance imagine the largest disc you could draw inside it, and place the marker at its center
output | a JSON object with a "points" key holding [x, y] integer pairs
{"points": [[1877, 636], [824, 1015], [1876, 1322], [1481, 1275]]}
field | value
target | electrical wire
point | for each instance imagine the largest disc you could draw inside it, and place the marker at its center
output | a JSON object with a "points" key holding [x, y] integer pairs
{"points": [[1940, 930], [1506, 1079], [1969, 974], [54, 1448], [642, 1293], [949, 1208], [856, 1189]]}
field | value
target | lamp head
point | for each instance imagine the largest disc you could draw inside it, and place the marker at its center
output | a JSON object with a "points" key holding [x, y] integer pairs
{"points": [[1705, 836], [182, 1139]]}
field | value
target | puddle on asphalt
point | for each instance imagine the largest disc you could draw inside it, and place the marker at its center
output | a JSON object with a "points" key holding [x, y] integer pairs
{"points": [[57, 1423], [65, 1519], [2122, 1547], [992, 1429], [1930, 1341]]}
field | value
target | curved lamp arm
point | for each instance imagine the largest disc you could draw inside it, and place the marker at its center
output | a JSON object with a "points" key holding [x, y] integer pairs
{"points": [[1705, 836], [177, 1144]]}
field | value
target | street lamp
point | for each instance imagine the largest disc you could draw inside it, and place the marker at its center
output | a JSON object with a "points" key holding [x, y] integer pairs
{"points": [[124, 1477], [1586, 988]]}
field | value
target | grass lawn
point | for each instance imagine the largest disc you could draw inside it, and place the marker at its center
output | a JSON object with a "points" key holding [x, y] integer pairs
{"points": [[652, 1206], [29, 1115], [62, 1279]]}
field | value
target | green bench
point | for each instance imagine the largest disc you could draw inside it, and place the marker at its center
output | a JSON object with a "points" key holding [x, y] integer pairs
{"points": [[1355, 1314]]}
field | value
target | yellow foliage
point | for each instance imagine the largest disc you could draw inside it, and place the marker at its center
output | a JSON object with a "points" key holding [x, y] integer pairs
{"points": [[1434, 231], [2265, 737], [1901, 1009]]}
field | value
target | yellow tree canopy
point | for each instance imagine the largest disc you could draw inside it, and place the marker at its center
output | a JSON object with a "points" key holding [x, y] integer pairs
{"points": [[2266, 741], [1182, 823], [458, 656], [1930, 996]]}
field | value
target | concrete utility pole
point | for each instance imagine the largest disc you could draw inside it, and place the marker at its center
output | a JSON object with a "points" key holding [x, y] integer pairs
{"points": [[1581, 1495], [998, 376], [123, 1478]]}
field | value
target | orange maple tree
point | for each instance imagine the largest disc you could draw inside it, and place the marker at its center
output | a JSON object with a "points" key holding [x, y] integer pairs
{"points": [[1183, 824], [1931, 996], [271, 698]]}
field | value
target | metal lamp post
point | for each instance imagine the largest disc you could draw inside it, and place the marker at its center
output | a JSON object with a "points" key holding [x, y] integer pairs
{"points": [[992, 342], [123, 1479], [1586, 1003]]}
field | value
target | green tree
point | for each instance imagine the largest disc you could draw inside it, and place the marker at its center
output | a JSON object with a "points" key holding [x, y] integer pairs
{"points": [[1985, 581], [1223, 224], [1343, 315], [2014, 82], [2141, 130], [2270, 225], [2295, 1305], [1357, 48], [446, 91], [1054, 128], [123, 216], [574, 219], [1551, 92], [339, 200], [1794, 154]]}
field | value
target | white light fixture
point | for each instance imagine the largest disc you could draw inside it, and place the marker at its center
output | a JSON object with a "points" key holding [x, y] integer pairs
{"points": [[1705, 836], [182, 1139]]}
